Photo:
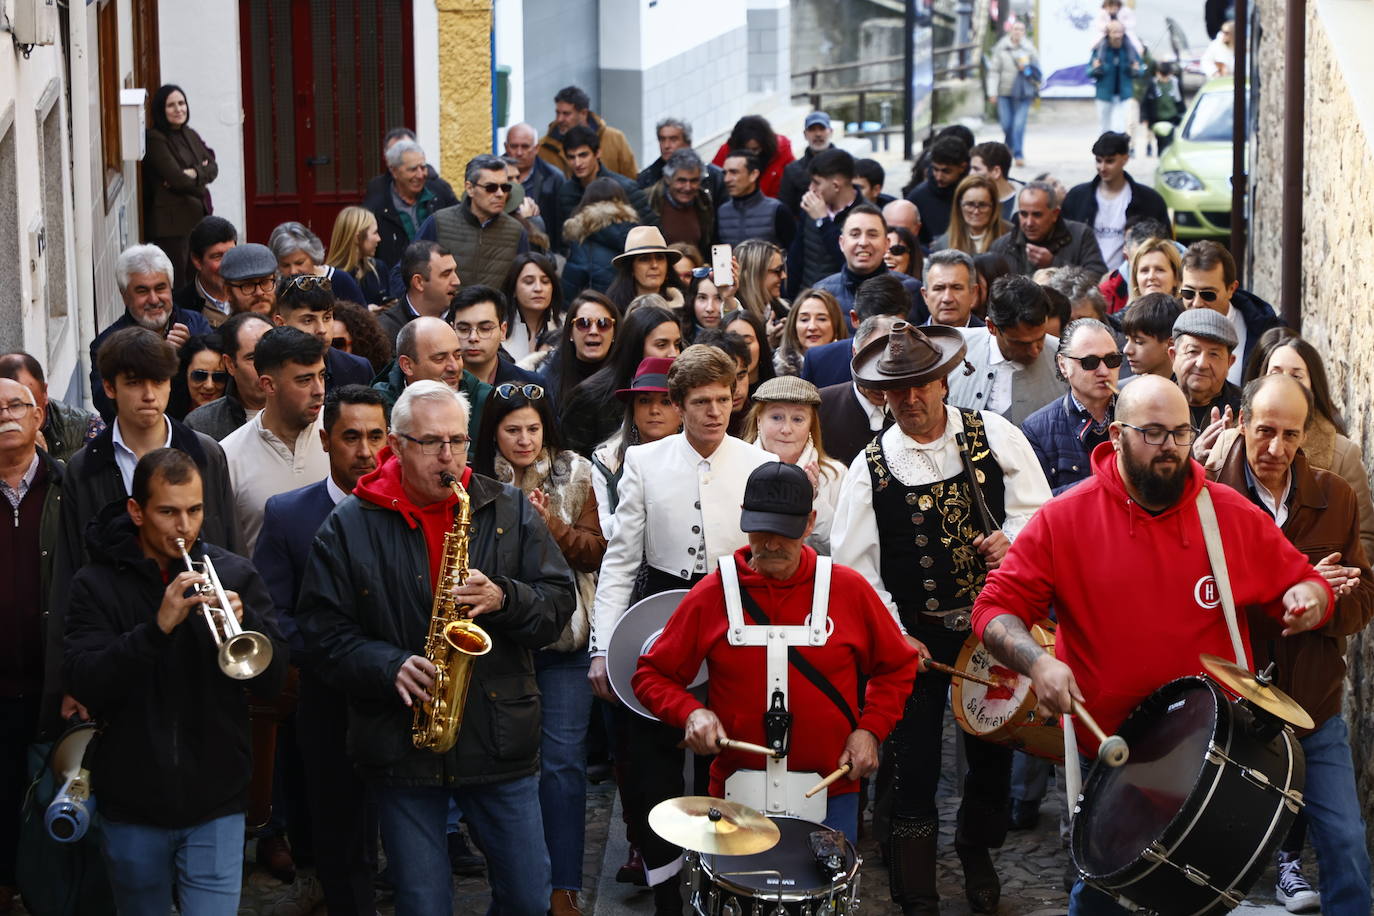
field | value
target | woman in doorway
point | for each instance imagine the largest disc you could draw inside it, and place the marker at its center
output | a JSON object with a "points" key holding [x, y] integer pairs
{"points": [[177, 171]]}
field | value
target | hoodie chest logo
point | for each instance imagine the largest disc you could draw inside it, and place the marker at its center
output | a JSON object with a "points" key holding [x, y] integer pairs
{"points": [[1205, 593]]}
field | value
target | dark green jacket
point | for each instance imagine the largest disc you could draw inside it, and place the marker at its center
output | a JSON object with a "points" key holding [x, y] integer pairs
{"points": [[364, 609], [392, 381], [67, 428]]}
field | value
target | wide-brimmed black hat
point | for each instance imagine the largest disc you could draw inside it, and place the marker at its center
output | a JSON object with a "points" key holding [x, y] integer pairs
{"points": [[908, 356]]}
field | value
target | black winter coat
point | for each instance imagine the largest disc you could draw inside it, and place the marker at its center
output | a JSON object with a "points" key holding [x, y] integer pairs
{"points": [[364, 609], [1080, 204], [389, 223], [174, 750]]}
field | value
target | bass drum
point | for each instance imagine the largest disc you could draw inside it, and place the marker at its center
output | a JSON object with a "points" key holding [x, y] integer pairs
{"points": [[1192, 820], [634, 635], [786, 879], [1004, 714]]}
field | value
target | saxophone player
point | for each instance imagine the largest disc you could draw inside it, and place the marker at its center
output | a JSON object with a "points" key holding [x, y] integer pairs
{"points": [[365, 614]]}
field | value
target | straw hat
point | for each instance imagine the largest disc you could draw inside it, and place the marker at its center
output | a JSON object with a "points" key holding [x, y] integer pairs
{"points": [[646, 240]]}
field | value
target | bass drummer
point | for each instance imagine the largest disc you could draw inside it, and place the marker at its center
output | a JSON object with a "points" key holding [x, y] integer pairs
{"points": [[1121, 558], [780, 584]]}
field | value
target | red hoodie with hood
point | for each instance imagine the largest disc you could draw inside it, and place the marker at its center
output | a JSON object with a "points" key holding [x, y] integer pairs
{"points": [[382, 486], [1133, 592], [865, 639]]}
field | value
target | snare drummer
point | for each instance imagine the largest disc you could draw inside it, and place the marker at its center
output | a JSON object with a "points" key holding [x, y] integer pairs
{"points": [[907, 522], [1121, 559], [781, 579]]}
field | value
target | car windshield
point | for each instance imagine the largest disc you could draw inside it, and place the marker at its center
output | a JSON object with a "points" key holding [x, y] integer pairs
{"points": [[1211, 120]]}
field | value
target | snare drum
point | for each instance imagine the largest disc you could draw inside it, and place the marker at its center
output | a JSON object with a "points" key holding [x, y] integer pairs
{"points": [[1190, 822], [1006, 714], [786, 879]]}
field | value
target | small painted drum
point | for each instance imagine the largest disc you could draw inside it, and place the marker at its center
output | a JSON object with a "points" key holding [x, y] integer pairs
{"points": [[1004, 714], [788, 880]]}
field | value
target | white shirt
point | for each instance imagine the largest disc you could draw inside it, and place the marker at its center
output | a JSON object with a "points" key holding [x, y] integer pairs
{"points": [[261, 466], [999, 396], [1110, 224], [1278, 509], [854, 534], [335, 491], [1237, 320], [126, 460], [876, 415]]}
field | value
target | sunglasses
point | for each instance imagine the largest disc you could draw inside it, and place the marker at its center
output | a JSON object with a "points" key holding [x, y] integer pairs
{"points": [[1111, 360], [308, 282], [201, 376], [1208, 295], [492, 187], [897, 250], [585, 324], [340, 343], [509, 390], [701, 273]]}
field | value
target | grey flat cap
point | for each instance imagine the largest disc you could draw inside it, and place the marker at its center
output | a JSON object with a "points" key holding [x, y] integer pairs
{"points": [[1205, 324], [247, 262]]}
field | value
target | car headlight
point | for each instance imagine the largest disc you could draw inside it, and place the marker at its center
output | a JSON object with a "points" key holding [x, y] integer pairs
{"points": [[1182, 181]]}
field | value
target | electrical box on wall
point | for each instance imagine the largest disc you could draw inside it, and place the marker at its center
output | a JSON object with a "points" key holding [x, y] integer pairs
{"points": [[35, 22], [132, 126]]}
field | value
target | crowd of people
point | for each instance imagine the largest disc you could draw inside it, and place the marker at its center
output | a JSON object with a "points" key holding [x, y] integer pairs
{"points": [[554, 350]]}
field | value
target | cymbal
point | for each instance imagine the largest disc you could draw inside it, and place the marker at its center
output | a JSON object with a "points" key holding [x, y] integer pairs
{"points": [[713, 825], [1244, 684]]}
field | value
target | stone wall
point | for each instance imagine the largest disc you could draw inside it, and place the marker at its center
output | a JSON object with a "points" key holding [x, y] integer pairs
{"points": [[1338, 252]]}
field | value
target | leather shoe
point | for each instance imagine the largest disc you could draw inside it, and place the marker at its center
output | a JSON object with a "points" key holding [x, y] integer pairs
{"points": [[564, 903], [1023, 815], [274, 854], [982, 887], [632, 872], [463, 861]]}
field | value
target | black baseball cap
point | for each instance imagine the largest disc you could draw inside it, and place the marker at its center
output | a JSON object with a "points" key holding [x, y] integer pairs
{"points": [[777, 498]]}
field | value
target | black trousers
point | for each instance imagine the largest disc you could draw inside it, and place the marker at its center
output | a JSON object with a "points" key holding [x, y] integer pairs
{"points": [[344, 819], [18, 727], [915, 744]]}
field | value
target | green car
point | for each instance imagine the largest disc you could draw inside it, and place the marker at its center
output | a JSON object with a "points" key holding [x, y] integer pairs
{"points": [[1194, 174]]}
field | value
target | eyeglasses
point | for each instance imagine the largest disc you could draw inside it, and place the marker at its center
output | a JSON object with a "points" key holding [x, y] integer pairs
{"points": [[430, 446], [975, 205], [897, 250], [483, 330], [1112, 361], [308, 282], [201, 376], [509, 390], [17, 409], [492, 187], [341, 343], [1155, 435], [260, 285], [602, 324], [1187, 294]]}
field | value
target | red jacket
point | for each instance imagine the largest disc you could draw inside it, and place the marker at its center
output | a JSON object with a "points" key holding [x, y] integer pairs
{"points": [[770, 181], [1133, 592], [865, 640]]}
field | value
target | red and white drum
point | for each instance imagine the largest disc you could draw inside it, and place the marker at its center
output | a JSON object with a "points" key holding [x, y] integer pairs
{"points": [[1005, 713]]}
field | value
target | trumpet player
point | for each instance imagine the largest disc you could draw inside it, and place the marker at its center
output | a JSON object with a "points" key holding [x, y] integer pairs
{"points": [[173, 756], [366, 606]]}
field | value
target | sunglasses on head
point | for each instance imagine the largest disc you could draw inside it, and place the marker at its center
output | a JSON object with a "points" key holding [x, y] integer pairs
{"points": [[898, 250], [585, 324], [492, 187], [701, 273], [509, 390], [201, 376], [1208, 295], [1111, 360]]}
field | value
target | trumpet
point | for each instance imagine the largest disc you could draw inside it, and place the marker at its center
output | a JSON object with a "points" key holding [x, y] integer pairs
{"points": [[242, 653]]}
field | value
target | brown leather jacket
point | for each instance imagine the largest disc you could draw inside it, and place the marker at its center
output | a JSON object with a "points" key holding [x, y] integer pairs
{"points": [[1322, 519]]}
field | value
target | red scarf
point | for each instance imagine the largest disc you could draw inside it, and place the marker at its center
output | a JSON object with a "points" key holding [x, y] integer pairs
{"points": [[383, 487]]}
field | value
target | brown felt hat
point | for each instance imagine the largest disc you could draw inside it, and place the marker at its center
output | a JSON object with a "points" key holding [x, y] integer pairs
{"points": [[908, 356]]}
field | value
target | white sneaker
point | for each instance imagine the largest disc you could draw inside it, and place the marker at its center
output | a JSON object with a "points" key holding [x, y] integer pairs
{"points": [[1294, 891]]}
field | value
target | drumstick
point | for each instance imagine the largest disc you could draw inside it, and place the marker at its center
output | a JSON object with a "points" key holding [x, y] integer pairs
{"points": [[930, 663], [1111, 749], [745, 746], [829, 779]]}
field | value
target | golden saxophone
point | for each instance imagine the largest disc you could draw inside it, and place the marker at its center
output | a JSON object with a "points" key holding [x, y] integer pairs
{"points": [[454, 642]]}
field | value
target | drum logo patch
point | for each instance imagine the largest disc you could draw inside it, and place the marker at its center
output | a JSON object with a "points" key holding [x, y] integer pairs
{"points": [[1205, 593]]}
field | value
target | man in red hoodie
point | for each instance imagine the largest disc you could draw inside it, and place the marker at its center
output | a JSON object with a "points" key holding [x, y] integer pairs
{"points": [[1137, 616], [779, 581]]}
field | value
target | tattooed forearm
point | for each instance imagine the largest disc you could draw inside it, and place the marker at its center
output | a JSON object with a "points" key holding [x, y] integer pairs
{"points": [[1008, 639]]}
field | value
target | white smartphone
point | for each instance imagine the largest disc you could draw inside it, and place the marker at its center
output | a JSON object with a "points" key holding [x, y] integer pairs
{"points": [[722, 274]]}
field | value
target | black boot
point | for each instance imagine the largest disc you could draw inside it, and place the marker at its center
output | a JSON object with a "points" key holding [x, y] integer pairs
{"points": [[911, 865], [668, 897], [981, 884]]}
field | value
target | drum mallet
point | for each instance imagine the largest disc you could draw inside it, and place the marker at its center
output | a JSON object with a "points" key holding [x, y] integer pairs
{"points": [[1111, 749], [745, 746], [829, 779]]}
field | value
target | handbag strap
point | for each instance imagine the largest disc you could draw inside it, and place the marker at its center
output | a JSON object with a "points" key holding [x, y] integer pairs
{"points": [[1216, 555]]}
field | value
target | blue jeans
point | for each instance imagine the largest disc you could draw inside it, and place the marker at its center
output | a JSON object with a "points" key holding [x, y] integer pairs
{"points": [[1333, 817], [503, 818], [1012, 114], [567, 703], [205, 862], [842, 814]]}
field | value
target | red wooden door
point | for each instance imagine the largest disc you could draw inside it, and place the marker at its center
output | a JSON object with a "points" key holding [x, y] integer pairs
{"points": [[323, 81]]}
